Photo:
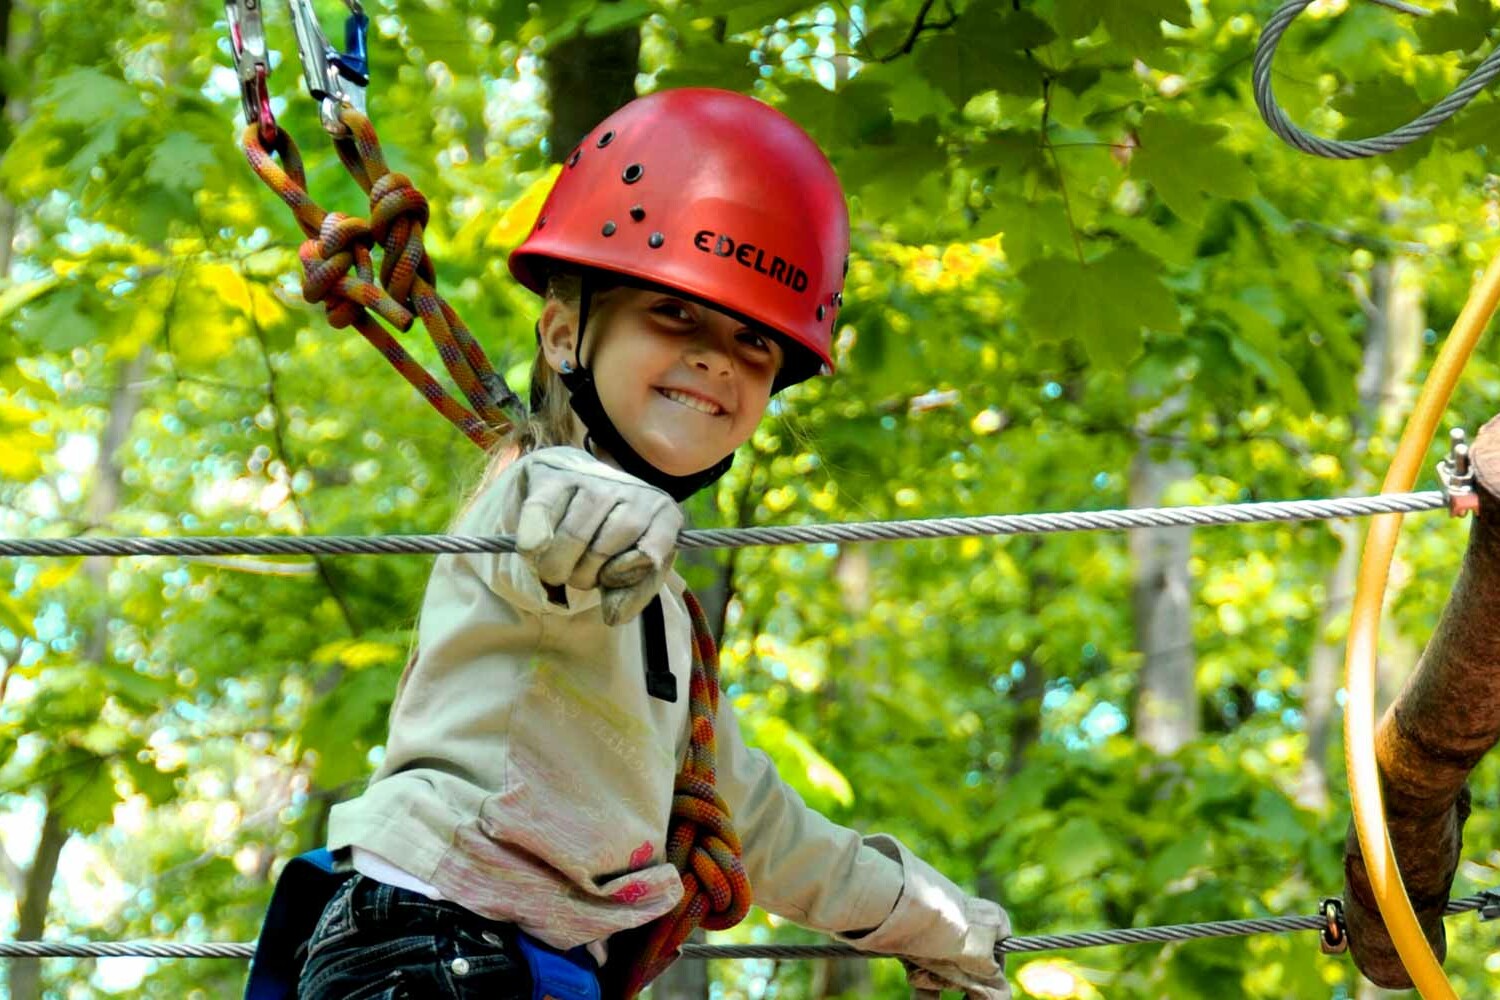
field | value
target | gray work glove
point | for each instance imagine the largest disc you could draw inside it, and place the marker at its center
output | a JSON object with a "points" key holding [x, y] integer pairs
{"points": [[583, 523], [945, 938]]}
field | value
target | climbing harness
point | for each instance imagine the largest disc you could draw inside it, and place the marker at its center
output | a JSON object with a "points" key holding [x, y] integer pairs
{"points": [[1390, 894], [336, 258]]}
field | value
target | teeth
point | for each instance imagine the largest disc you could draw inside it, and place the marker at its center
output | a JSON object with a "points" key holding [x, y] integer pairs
{"points": [[692, 402]]}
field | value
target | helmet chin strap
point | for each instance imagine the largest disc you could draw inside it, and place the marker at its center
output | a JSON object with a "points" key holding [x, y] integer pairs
{"points": [[583, 396]]}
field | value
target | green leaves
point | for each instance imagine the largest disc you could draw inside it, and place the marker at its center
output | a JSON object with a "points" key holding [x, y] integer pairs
{"points": [[1186, 165], [1462, 29], [986, 54], [1134, 24], [1104, 304]]}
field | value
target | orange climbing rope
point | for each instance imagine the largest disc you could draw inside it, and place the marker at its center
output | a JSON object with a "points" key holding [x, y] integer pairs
{"points": [[338, 271], [701, 841]]}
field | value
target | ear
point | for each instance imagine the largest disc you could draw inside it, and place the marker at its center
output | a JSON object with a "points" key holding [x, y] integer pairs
{"points": [[555, 332]]}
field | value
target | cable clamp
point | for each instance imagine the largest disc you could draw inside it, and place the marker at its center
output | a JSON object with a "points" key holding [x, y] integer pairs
{"points": [[1333, 937], [1456, 473]]}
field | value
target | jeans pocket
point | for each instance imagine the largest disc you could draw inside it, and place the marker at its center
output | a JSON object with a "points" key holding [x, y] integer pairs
{"points": [[336, 925], [398, 967]]}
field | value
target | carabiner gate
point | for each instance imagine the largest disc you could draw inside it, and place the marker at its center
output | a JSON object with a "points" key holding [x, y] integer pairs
{"points": [[247, 43], [333, 78]]}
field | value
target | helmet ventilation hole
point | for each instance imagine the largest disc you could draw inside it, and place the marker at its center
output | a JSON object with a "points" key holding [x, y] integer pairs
{"points": [[821, 313], [574, 156], [637, 213], [606, 139], [632, 173]]}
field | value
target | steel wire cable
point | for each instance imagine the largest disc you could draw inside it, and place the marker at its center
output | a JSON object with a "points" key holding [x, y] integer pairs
{"points": [[1013, 945], [853, 531], [1349, 149]]}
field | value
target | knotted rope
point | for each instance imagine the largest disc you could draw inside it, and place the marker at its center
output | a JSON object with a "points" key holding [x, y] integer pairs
{"points": [[338, 271], [701, 841]]}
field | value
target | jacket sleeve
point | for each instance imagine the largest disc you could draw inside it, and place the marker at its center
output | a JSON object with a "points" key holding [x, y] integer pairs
{"points": [[801, 865]]}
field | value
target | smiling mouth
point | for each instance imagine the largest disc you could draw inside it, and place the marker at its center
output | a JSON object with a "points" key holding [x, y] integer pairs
{"points": [[694, 402]]}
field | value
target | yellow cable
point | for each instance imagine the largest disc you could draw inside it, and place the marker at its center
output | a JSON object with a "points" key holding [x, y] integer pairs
{"points": [[1364, 629]]}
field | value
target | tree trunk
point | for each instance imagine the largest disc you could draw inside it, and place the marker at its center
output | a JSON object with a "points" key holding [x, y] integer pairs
{"points": [[1166, 709], [103, 501], [1443, 722], [31, 908], [1393, 345], [12, 109], [589, 76]]}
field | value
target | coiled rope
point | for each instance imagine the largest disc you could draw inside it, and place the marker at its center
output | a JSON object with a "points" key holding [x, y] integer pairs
{"points": [[710, 538], [1351, 149], [1161, 934]]}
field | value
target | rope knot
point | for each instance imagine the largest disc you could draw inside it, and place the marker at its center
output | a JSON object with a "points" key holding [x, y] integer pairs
{"points": [[398, 215], [343, 245]]}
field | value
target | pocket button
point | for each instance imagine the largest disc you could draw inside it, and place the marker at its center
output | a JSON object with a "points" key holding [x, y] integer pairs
{"points": [[460, 966]]}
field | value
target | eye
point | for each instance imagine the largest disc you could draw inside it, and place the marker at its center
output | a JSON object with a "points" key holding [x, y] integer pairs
{"points": [[757, 341], [674, 310]]}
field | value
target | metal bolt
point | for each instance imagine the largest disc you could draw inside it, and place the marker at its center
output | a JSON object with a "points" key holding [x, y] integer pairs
{"points": [[460, 966], [609, 228], [541, 222], [821, 313], [656, 240], [637, 212]]}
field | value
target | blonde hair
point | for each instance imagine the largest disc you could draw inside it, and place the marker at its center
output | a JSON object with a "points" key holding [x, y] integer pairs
{"points": [[546, 425]]}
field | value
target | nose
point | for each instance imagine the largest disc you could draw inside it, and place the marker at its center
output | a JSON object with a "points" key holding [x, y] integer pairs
{"points": [[709, 356]]}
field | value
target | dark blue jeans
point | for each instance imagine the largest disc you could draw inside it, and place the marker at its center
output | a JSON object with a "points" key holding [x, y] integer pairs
{"points": [[377, 942]]}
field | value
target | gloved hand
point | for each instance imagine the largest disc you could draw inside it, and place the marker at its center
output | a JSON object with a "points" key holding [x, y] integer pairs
{"points": [[583, 523], [945, 938]]}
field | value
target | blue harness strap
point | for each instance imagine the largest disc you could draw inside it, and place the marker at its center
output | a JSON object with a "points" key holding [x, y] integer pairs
{"points": [[302, 892], [559, 975]]}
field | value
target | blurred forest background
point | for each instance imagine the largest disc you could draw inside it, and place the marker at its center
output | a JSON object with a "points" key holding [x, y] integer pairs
{"points": [[1085, 276]]}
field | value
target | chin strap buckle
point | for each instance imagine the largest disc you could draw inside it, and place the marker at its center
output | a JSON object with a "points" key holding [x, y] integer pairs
{"points": [[1456, 473]]}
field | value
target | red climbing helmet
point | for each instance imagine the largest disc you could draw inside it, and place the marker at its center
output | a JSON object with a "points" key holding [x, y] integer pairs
{"points": [[713, 194]]}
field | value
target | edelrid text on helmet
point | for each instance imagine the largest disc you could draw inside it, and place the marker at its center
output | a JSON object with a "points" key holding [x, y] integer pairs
{"points": [[777, 269]]}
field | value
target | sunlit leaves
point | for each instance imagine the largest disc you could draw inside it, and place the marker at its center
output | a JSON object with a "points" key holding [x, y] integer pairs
{"points": [[1463, 28]]}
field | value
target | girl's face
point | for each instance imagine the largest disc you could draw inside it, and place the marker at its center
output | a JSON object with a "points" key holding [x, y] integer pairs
{"points": [[684, 384]]}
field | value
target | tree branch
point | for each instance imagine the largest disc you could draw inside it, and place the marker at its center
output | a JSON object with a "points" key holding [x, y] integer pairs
{"points": [[920, 25]]}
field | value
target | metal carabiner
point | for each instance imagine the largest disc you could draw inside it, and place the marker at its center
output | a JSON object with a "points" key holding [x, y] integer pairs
{"points": [[333, 78], [247, 43]]}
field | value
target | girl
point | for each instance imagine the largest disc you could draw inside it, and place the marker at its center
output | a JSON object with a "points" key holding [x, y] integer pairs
{"points": [[563, 793]]}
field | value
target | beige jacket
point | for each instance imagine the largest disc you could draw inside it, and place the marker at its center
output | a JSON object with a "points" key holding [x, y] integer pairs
{"points": [[528, 775]]}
